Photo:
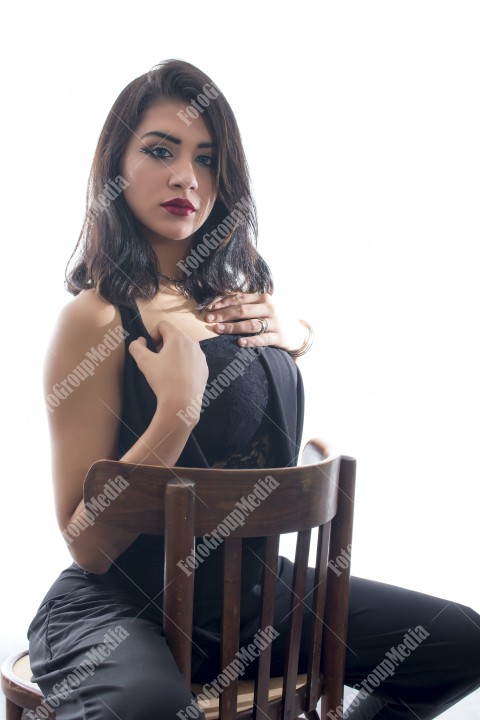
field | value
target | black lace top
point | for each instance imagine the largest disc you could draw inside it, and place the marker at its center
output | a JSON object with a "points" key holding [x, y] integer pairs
{"points": [[239, 418], [236, 425]]}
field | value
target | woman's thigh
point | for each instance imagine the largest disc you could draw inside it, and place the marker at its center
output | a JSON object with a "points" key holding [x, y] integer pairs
{"points": [[420, 650], [98, 656], [402, 646]]}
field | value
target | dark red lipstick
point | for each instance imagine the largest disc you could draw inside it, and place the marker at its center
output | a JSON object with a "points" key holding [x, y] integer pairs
{"points": [[178, 206]]}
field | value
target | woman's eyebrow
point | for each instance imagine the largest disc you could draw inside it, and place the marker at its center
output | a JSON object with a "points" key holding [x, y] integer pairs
{"points": [[177, 141]]}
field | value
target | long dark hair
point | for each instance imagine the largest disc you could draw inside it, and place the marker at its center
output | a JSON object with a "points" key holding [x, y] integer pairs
{"points": [[113, 257]]}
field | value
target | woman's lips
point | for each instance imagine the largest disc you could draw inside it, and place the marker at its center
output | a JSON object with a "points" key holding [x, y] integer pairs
{"points": [[179, 206], [179, 209]]}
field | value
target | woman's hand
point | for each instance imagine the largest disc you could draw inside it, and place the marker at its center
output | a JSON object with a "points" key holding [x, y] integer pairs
{"points": [[241, 313], [178, 371]]}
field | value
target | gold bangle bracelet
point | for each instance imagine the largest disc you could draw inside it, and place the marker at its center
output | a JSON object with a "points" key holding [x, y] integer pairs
{"points": [[306, 345]]}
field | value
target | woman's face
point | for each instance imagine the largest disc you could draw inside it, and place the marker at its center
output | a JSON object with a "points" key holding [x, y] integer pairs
{"points": [[167, 160]]}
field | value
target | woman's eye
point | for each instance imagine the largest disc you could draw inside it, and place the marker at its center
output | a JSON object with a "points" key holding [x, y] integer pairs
{"points": [[207, 160], [157, 152]]}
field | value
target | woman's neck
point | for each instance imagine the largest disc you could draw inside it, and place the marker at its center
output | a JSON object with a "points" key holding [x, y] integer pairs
{"points": [[169, 255]]}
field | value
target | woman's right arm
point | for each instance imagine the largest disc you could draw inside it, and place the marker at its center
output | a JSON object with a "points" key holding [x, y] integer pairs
{"points": [[85, 426]]}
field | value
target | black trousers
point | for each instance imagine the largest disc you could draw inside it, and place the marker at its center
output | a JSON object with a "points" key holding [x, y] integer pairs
{"points": [[98, 653]]}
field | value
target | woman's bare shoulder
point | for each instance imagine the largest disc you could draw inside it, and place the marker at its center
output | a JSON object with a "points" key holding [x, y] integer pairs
{"points": [[86, 321], [91, 310]]}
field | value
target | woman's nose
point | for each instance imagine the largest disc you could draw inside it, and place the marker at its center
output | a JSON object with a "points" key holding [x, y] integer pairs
{"points": [[183, 175]]}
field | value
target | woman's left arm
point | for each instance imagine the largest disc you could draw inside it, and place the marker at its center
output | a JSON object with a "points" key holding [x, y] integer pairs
{"points": [[260, 318]]}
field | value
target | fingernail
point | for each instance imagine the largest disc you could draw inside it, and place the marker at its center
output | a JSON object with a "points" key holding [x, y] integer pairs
{"points": [[220, 328], [210, 317]]}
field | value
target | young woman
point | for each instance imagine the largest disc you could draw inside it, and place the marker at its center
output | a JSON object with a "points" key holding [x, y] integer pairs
{"points": [[170, 294]]}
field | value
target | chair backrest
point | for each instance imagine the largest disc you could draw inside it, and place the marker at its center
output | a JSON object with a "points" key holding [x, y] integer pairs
{"points": [[184, 503]]}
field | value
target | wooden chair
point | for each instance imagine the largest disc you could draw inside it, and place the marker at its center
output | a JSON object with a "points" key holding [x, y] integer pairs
{"points": [[184, 503]]}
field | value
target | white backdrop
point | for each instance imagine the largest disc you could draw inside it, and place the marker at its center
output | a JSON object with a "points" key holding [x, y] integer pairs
{"points": [[361, 122]]}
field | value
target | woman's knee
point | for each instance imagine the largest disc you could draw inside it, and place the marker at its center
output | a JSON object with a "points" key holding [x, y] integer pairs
{"points": [[464, 631]]}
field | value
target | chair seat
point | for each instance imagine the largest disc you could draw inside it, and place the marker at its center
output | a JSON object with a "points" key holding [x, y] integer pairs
{"points": [[244, 695], [18, 687], [21, 668]]}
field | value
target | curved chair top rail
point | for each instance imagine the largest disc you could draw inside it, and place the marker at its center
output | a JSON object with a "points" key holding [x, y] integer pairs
{"points": [[133, 496]]}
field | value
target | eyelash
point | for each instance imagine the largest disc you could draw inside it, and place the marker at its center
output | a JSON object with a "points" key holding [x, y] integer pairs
{"points": [[151, 151]]}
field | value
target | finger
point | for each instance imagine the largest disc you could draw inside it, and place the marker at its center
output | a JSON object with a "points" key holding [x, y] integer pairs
{"points": [[138, 348], [246, 311], [246, 327], [262, 340], [162, 330], [235, 299]]}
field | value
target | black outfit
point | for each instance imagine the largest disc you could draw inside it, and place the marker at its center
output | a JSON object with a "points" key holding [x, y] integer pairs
{"points": [[255, 421]]}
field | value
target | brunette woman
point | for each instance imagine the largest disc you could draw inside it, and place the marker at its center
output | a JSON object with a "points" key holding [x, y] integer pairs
{"points": [[170, 295]]}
